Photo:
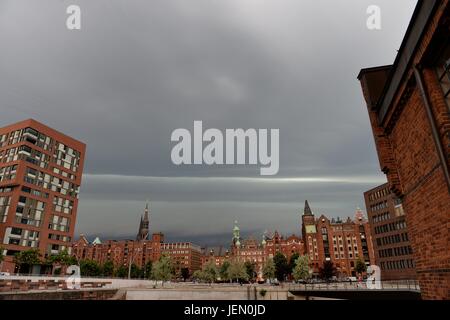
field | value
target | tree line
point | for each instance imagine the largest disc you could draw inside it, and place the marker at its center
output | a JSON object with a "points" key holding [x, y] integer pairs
{"points": [[278, 267]]}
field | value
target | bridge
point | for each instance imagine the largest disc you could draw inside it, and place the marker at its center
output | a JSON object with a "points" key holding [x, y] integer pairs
{"points": [[381, 290]]}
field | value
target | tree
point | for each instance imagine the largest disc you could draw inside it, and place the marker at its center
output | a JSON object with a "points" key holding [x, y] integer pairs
{"points": [[269, 270], [162, 269], [121, 272], [281, 266], [147, 270], [237, 271], [360, 266], [108, 269], [198, 275], [292, 263], [184, 273], [135, 272], [301, 269], [210, 271], [62, 259], [327, 271], [223, 272], [27, 258], [250, 269], [90, 268]]}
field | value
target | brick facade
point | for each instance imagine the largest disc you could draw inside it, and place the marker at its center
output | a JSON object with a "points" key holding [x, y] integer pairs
{"points": [[125, 252], [392, 247], [410, 118], [341, 242], [40, 178]]}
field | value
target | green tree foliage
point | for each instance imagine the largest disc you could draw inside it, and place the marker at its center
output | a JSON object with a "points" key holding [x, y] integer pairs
{"points": [[301, 269], [27, 259], [198, 275], [185, 273], [121, 272], [237, 271], [269, 270], [223, 272], [90, 268], [135, 271], [62, 259], [281, 266], [162, 269], [108, 269], [250, 269], [210, 271], [327, 271], [147, 270], [360, 266], [292, 260]]}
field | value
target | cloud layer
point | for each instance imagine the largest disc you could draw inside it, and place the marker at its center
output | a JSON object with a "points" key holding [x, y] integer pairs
{"points": [[138, 69]]}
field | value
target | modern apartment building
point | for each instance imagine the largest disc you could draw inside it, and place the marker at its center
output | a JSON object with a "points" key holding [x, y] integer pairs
{"points": [[40, 178], [393, 252]]}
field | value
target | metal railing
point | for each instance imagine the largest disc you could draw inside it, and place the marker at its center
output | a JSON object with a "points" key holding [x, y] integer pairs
{"points": [[395, 285]]}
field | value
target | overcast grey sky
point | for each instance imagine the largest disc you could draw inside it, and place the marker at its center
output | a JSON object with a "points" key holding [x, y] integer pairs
{"points": [[137, 70]]}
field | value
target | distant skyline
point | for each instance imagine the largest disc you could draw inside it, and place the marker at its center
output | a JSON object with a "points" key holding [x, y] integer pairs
{"points": [[138, 70]]}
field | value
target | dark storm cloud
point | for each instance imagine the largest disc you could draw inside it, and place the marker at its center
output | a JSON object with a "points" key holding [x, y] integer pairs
{"points": [[140, 69]]}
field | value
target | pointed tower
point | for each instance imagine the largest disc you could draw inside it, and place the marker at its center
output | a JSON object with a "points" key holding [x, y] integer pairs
{"points": [[307, 210], [308, 221], [236, 241], [144, 226]]}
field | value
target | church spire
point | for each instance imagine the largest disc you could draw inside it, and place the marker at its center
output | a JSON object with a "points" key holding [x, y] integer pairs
{"points": [[144, 225], [307, 211]]}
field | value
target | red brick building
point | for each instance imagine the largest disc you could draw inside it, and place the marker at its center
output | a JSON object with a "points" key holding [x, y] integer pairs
{"points": [[341, 242], [286, 245], [40, 178], [258, 252], [126, 252], [408, 106], [217, 254], [387, 219], [139, 252]]}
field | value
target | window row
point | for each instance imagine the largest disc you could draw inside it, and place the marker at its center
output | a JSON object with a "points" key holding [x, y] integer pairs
{"points": [[399, 225], [392, 239], [381, 217], [397, 265], [379, 194], [8, 173], [4, 208], [47, 181], [394, 252], [62, 155], [379, 206]]}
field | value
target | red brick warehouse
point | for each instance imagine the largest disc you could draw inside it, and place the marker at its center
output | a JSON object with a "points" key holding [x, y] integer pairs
{"points": [[409, 109]]}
